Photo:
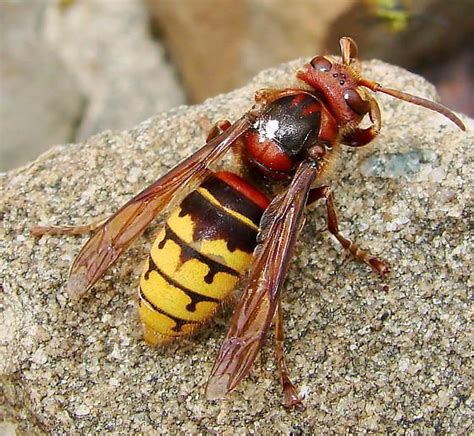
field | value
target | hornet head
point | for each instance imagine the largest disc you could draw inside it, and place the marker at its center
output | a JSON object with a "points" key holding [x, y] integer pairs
{"points": [[345, 93]]}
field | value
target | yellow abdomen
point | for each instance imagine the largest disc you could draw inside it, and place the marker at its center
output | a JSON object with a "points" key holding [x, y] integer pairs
{"points": [[198, 257]]}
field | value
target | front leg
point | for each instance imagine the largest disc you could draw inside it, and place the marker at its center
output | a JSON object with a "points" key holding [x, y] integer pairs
{"points": [[360, 137], [219, 127], [333, 227]]}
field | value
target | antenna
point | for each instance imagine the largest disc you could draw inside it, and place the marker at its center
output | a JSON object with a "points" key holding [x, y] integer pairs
{"points": [[437, 107]]}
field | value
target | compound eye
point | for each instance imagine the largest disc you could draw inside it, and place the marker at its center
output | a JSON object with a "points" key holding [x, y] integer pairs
{"points": [[320, 63], [355, 102]]}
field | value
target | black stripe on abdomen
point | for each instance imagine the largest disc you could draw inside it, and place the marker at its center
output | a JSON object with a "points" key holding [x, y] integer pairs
{"points": [[193, 296], [188, 253], [212, 223], [230, 198], [178, 321]]}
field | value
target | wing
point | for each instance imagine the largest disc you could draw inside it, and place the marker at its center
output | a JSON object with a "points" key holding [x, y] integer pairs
{"points": [[113, 237], [253, 315]]}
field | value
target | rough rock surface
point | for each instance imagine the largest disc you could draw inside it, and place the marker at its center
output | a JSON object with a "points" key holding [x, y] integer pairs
{"points": [[366, 358], [36, 89]]}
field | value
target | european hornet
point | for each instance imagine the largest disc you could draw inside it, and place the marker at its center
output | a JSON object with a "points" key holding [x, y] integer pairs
{"points": [[227, 227]]}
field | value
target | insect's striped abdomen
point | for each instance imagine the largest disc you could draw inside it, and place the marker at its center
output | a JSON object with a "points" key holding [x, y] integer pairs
{"points": [[199, 255]]}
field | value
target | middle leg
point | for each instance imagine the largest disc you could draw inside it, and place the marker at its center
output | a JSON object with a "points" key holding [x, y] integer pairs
{"points": [[333, 227]]}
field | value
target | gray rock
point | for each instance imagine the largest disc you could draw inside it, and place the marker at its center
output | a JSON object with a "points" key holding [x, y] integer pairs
{"points": [[40, 101], [365, 358], [72, 69], [123, 72]]}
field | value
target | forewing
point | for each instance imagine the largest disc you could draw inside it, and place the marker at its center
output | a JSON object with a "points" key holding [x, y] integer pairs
{"points": [[253, 315], [113, 237]]}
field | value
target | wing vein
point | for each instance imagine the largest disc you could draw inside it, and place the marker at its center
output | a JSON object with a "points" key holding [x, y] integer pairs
{"points": [[253, 314]]}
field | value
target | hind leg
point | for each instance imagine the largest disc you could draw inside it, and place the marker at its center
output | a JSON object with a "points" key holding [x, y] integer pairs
{"points": [[291, 396], [66, 230]]}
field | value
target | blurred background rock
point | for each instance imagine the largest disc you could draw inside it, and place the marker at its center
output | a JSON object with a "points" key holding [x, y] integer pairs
{"points": [[72, 68]]}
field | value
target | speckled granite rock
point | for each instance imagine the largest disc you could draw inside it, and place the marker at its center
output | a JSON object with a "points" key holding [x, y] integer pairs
{"points": [[365, 358]]}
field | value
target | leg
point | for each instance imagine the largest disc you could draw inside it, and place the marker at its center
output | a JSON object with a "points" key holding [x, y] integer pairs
{"points": [[219, 127], [237, 147], [360, 137], [363, 256], [66, 230], [291, 396]]}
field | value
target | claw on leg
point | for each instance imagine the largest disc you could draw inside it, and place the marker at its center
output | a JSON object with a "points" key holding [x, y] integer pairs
{"points": [[292, 398]]}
